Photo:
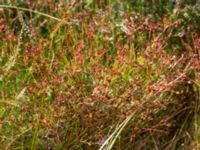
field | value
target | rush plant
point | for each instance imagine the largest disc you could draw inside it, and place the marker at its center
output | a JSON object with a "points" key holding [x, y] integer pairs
{"points": [[88, 74]]}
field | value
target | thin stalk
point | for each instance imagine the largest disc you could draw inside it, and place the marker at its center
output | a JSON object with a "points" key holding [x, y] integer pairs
{"points": [[33, 11]]}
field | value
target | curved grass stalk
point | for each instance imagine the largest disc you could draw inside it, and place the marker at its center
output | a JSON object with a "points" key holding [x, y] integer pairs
{"points": [[33, 11], [108, 144]]}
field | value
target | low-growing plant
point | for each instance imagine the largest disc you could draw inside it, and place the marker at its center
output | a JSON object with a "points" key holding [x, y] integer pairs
{"points": [[89, 74]]}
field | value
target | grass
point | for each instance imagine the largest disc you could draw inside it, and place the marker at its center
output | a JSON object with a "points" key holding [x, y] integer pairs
{"points": [[99, 75]]}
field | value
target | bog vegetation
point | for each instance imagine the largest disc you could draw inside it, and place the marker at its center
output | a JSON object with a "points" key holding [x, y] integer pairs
{"points": [[99, 74]]}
